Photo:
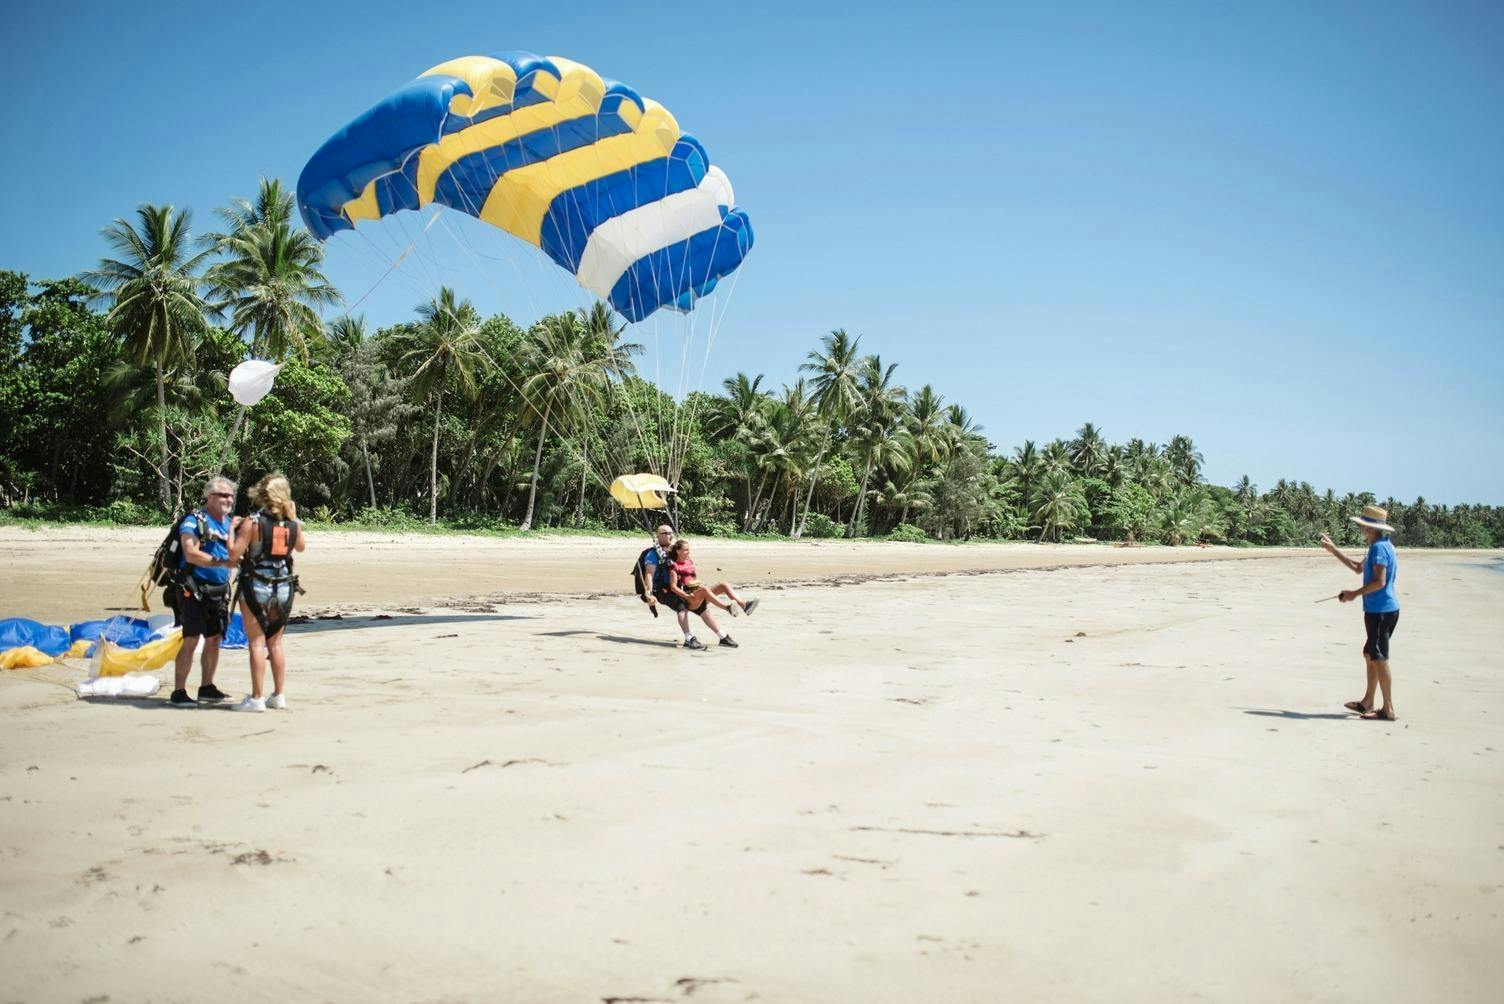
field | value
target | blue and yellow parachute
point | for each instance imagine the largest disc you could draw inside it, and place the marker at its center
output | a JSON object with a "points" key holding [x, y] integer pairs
{"points": [[598, 177]]}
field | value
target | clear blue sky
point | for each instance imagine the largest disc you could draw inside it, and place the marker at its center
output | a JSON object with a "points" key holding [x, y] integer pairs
{"points": [[1278, 228]]}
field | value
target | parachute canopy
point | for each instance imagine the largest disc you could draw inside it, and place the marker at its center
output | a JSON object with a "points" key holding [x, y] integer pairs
{"points": [[252, 380], [641, 491], [583, 168]]}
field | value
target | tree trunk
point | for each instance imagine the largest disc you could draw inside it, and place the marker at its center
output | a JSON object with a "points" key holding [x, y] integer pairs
{"points": [[370, 480], [433, 463], [752, 505], [532, 495], [579, 506], [814, 480], [861, 500], [164, 486]]}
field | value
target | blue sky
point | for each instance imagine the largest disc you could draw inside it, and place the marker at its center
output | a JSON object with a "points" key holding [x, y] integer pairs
{"points": [[1277, 228]]}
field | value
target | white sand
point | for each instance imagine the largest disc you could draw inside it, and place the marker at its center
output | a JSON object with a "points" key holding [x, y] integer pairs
{"points": [[913, 789]]}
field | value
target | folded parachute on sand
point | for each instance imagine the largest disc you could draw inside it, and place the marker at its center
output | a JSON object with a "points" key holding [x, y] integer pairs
{"points": [[27, 643]]}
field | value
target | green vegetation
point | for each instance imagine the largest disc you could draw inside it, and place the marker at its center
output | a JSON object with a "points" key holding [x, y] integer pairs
{"points": [[113, 406]]}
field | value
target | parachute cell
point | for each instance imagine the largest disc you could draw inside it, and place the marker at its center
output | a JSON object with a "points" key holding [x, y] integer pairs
{"points": [[597, 177]]}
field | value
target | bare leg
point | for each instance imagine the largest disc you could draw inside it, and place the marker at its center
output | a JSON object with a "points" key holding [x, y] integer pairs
{"points": [[279, 661], [710, 621], [184, 662], [1373, 682], [256, 642], [210, 659], [724, 589], [707, 596], [1381, 668]]}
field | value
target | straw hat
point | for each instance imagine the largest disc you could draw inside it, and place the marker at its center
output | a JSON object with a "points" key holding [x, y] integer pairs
{"points": [[1374, 518]]}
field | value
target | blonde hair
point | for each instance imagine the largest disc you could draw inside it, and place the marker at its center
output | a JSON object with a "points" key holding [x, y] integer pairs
{"points": [[272, 493]]}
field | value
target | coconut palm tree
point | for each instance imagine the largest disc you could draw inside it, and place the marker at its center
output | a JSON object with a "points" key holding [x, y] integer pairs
{"points": [[270, 284], [878, 432], [574, 360], [1088, 451], [835, 375], [155, 290], [1060, 506], [741, 415], [1185, 460], [1024, 471], [443, 346]]}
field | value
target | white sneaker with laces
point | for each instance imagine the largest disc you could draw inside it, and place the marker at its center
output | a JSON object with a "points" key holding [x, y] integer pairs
{"points": [[277, 702], [249, 703]]}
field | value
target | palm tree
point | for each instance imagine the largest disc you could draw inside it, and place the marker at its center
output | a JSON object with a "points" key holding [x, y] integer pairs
{"points": [[157, 307], [878, 434], [1184, 459], [835, 397], [574, 360], [1060, 506], [1024, 470], [442, 345], [377, 408], [1088, 450], [741, 415], [270, 284], [272, 207]]}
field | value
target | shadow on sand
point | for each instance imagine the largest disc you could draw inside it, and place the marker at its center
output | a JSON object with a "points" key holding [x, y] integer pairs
{"points": [[319, 624], [1301, 716]]}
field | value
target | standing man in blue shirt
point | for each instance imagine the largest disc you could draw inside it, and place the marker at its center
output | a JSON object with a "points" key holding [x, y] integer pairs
{"points": [[204, 589], [1381, 610]]}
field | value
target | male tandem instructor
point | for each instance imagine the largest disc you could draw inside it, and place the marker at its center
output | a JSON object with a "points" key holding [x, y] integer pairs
{"points": [[204, 589], [1381, 609]]}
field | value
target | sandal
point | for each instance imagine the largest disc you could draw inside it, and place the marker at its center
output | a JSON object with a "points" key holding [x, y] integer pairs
{"points": [[1381, 715], [1357, 706]]}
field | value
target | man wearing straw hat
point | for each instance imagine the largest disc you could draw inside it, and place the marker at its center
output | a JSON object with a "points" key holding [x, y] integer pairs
{"points": [[1381, 610]]}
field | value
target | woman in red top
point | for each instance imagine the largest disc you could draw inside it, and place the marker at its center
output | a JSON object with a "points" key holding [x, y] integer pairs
{"points": [[685, 583]]}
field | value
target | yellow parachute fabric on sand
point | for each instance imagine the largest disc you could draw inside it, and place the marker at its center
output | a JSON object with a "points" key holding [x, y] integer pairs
{"points": [[24, 657], [641, 491], [79, 650], [117, 661]]}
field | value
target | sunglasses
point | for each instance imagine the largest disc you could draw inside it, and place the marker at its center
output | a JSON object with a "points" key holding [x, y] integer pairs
{"points": [[221, 495]]}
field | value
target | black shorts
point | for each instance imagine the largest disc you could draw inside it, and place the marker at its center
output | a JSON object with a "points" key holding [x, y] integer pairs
{"points": [[204, 617], [676, 603], [1379, 627]]}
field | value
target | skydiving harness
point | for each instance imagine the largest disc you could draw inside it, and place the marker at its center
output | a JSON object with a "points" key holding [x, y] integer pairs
{"points": [[278, 540], [660, 575]]}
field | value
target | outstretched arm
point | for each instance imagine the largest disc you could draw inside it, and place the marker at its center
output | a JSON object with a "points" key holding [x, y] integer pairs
{"points": [[1331, 548]]}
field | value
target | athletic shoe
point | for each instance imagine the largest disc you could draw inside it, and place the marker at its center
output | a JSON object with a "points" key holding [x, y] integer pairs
{"points": [[209, 692], [277, 702], [694, 645], [180, 699], [729, 642], [249, 703], [751, 606]]}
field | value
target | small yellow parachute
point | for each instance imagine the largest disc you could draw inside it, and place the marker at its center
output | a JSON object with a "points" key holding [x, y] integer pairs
{"points": [[113, 660], [641, 491]]}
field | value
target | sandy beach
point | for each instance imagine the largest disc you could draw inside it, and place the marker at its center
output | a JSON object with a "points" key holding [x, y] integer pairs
{"points": [[1072, 773]]}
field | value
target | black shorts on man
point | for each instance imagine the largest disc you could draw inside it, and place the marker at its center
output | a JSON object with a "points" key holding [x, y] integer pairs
{"points": [[205, 614], [1378, 628]]}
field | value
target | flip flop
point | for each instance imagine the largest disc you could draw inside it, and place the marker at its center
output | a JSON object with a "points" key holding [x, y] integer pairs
{"points": [[1358, 707], [1381, 716]]}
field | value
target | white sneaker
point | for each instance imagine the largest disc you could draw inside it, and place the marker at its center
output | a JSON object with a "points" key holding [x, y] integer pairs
{"points": [[249, 703], [277, 702]]}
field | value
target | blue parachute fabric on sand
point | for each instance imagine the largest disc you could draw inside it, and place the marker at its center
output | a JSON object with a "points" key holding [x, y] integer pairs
{"points": [[124, 632], [20, 632], [234, 633]]}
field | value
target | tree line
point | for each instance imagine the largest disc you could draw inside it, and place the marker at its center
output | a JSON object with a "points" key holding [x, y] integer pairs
{"points": [[113, 404]]}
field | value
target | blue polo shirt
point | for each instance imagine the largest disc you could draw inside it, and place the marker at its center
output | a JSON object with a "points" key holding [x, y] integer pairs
{"points": [[213, 539], [1380, 552]]}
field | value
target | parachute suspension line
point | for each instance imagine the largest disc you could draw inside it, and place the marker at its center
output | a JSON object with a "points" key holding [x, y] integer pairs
{"points": [[712, 334], [392, 268]]}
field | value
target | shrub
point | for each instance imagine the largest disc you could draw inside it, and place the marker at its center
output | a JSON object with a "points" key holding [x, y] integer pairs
{"points": [[909, 533], [820, 525]]}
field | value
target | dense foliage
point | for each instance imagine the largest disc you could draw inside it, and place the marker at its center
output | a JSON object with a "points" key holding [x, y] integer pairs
{"points": [[113, 405]]}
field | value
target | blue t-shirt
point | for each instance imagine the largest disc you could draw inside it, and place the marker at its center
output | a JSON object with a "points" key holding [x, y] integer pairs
{"points": [[1380, 552], [213, 539]]}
